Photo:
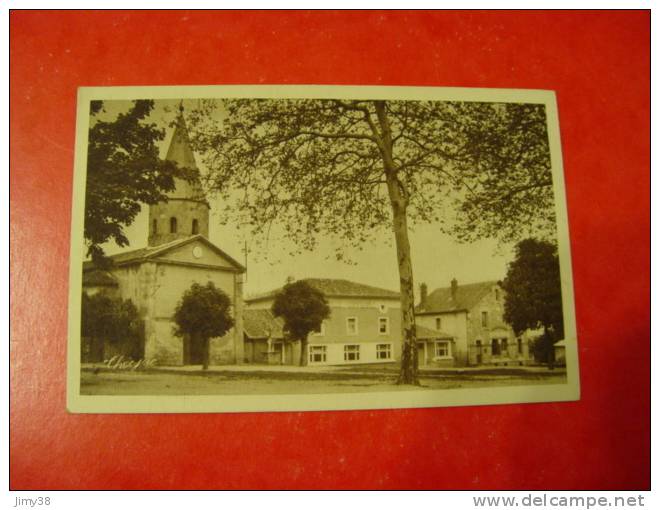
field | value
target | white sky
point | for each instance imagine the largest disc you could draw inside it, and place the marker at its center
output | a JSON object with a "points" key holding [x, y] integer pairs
{"points": [[436, 257]]}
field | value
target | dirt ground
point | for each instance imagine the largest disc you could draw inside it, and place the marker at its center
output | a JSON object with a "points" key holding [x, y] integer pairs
{"points": [[100, 381]]}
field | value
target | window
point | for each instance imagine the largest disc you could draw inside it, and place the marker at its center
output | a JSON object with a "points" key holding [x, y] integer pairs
{"points": [[383, 351], [351, 353], [154, 227], [173, 225], [317, 353], [495, 347], [484, 319], [352, 325], [442, 349], [497, 294], [195, 227], [504, 346], [438, 323], [320, 331], [520, 351], [383, 325]]}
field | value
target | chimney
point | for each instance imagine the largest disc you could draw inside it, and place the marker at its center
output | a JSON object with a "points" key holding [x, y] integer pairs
{"points": [[423, 294], [454, 289], [290, 279]]}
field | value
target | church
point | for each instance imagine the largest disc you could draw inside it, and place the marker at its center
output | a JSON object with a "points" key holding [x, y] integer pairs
{"points": [[155, 277]]}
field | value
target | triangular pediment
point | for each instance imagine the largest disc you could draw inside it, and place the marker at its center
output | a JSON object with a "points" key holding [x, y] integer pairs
{"points": [[196, 250]]}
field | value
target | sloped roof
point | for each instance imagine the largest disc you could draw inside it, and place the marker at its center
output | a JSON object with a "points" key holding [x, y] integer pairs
{"points": [[424, 333], [99, 278], [467, 296], [142, 254], [261, 324], [331, 287]]}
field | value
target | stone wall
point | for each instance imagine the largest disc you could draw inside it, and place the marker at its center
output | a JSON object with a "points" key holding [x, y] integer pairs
{"points": [[156, 288], [494, 328], [185, 211]]}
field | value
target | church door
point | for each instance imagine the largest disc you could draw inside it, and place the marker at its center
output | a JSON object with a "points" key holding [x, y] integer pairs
{"points": [[193, 350]]}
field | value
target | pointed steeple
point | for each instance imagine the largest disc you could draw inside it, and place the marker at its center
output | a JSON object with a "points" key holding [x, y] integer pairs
{"points": [[186, 211], [181, 153]]}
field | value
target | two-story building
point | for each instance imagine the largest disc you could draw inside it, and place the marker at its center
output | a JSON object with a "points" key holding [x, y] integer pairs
{"points": [[463, 325], [364, 327]]}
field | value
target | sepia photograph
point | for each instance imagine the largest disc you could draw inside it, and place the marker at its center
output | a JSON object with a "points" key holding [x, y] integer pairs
{"points": [[258, 248]]}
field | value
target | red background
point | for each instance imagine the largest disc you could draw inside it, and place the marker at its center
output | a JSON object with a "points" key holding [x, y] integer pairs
{"points": [[599, 65]]}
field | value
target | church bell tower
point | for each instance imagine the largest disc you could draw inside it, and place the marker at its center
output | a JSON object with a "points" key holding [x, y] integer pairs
{"points": [[186, 212]]}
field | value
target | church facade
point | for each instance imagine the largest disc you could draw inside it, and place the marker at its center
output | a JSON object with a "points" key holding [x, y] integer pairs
{"points": [[155, 277]]}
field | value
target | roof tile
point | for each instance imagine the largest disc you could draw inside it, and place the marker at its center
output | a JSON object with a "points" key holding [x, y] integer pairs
{"points": [[467, 296], [262, 324], [424, 333], [332, 287]]}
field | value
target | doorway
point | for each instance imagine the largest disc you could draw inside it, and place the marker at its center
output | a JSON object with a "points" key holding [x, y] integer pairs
{"points": [[421, 353], [193, 350], [278, 354]]}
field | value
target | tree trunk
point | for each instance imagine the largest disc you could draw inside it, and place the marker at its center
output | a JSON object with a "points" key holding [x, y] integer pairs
{"points": [[399, 203], [205, 353], [550, 341], [303, 349], [409, 362]]}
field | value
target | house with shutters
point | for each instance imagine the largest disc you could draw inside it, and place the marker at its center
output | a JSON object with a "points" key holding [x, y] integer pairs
{"points": [[463, 325], [364, 327], [154, 277]]}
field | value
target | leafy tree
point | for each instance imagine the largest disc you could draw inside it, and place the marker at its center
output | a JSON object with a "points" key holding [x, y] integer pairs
{"points": [[116, 320], [508, 178], [355, 169], [204, 312], [533, 294], [303, 308], [123, 172]]}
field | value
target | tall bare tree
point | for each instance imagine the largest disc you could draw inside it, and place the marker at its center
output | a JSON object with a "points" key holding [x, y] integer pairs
{"points": [[354, 169]]}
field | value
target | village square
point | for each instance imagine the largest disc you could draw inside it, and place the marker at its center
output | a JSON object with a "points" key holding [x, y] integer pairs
{"points": [[144, 332]]}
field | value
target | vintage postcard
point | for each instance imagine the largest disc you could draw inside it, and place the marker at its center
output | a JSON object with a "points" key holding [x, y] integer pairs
{"points": [[276, 248]]}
